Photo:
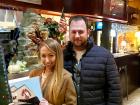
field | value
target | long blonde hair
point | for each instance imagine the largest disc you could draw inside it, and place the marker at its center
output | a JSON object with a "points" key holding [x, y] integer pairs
{"points": [[56, 78]]}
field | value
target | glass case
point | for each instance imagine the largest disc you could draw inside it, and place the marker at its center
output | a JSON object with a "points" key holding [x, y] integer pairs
{"points": [[114, 8]]}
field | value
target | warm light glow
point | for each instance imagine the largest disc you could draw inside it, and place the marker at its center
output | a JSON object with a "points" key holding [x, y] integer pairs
{"points": [[7, 25], [114, 14], [112, 33], [123, 43], [120, 4], [137, 34]]}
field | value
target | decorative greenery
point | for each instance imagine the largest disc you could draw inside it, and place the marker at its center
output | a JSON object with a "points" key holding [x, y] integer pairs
{"points": [[53, 27], [57, 30]]}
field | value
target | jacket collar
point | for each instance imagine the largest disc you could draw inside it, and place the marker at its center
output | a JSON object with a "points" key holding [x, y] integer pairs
{"points": [[69, 53]]}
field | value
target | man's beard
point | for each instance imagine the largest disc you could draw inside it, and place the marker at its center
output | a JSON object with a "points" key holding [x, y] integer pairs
{"points": [[81, 46]]}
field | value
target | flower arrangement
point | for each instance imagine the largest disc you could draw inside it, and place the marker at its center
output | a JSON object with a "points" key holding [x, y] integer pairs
{"points": [[55, 29], [52, 26], [34, 24]]}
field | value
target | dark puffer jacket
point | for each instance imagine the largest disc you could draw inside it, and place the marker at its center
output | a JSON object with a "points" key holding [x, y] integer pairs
{"points": [[99, 79]]}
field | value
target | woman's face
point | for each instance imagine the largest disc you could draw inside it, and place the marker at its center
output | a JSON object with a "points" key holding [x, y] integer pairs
{"points": [[48, 57]]}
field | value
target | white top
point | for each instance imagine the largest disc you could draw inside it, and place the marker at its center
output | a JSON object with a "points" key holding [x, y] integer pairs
{"points": [[79, 54]]}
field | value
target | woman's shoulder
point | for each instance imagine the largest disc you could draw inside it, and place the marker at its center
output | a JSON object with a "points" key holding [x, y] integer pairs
{"points": [[67, 74], [35, 72]]}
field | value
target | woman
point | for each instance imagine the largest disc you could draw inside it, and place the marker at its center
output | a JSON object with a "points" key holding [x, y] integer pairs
{"points": [[56, 83]]}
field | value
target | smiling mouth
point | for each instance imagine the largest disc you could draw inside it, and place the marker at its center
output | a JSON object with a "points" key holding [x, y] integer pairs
{"points": [[77, 40], [47, 64]]}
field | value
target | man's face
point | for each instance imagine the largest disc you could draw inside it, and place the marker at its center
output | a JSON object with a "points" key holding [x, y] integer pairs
{"points": [[78, 33]]}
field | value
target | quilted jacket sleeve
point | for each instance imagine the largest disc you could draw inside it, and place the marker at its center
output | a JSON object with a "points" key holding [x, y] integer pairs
{"points": [[113, 93]]}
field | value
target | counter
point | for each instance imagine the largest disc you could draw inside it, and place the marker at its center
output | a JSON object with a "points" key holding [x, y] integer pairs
{"points": [[116, 55], [129, 68]]}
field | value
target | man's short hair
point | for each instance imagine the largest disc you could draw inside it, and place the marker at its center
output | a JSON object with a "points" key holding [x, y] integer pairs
{"points": [[79, 17]]}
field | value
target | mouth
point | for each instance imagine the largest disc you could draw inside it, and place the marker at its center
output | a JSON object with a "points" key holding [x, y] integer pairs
{"points": [[77, 41], [48, 64]]}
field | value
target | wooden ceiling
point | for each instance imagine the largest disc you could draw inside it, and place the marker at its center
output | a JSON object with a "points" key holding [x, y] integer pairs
{"points": [[90, 8], [71, 6], [57, 5]]}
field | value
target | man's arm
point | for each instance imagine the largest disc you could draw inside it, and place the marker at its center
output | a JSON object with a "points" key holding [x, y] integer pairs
{"points": [[113, 92]]}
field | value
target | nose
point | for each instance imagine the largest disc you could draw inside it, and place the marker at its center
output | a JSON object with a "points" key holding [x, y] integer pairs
{"points": [[46, 59], [77, 34]]}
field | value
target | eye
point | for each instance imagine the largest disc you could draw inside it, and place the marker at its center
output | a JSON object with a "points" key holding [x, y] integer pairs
{"points": [[51, 55], [73, 32], [43, 56], [80, 31]]}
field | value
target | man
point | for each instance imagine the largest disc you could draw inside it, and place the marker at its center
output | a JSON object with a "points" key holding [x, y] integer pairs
{"points": [[94, 70]]}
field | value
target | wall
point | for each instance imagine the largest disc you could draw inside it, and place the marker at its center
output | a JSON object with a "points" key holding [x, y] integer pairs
{"points": [[134, 3]]}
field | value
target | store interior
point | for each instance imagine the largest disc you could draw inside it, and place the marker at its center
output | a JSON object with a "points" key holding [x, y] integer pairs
{"points": [[118, 31]]}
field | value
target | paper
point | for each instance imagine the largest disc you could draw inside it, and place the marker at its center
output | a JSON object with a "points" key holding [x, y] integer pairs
{"points": [[25, 88]]}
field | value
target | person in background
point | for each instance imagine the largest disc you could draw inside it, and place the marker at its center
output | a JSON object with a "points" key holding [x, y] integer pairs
{"points": [[56, 83], [94, 70]]}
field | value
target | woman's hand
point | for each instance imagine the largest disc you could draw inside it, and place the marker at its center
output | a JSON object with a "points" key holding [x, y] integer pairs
{"points": [[43, 102]]}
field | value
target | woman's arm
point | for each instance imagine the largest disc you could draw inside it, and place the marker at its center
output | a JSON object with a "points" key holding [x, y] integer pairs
{"points": [[70, 96]]}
